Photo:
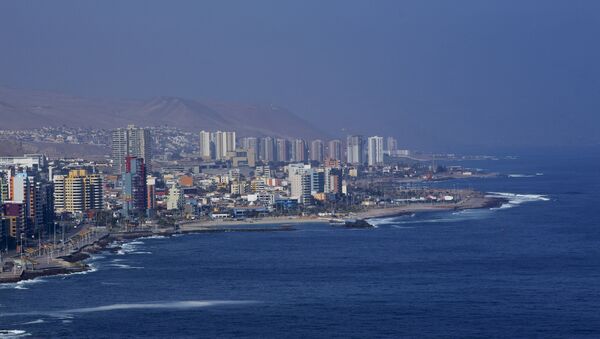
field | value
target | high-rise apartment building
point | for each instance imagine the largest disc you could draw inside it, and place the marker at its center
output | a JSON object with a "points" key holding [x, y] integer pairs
{"points": [[300, 177], [151, 195], [14, 214], [131, 142], [267, 149], [224, 142], [77, 192], [299, 151], [334, 149], [375, 151], [316, 150], [134, 187], [391, 145], [250, 143], [282, 150], [35, 195], [354, 149], [206, 146], [230, 142]]}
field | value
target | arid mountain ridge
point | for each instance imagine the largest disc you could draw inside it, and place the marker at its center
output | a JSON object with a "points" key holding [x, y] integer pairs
{"points": [[26, 109]]}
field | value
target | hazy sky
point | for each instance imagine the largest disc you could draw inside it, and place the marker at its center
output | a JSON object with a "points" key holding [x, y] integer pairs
{"points": [[432, 73]]}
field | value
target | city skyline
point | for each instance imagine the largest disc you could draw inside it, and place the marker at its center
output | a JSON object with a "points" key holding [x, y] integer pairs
{"points": [[299, 169]]}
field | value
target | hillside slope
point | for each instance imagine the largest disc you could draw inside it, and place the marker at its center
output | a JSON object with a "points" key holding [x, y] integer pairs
{"points": [[22, 109]]}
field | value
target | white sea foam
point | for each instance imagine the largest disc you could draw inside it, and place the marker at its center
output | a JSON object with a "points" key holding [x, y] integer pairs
{"points": [[521, 175], [155, 237], [174, 305], [21, 285], [13, 334], [34, 322], [92, 268], [445, 217], [127, 267], [129, 247], [515, 199]]}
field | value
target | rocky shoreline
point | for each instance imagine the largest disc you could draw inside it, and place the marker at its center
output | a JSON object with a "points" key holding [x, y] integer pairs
{"points": [[75, 262]]}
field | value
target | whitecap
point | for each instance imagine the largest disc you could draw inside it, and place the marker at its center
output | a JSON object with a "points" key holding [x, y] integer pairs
{"points": [[13, 334], [125, 266], [21, 285], [515, 199], [173, 305], [155, 237], [521, 175], [177, 305]]}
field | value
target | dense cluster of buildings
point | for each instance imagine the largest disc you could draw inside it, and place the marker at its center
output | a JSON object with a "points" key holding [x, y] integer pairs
{"points": [[26, 200], [230, 177], [224, 146], [222, 176]]}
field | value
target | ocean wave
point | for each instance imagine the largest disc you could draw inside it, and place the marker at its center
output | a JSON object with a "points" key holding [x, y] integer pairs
{"points": [[92, 268], [176, 305], [433, 217], [34, 322], [21, 285], [127, 267], [515, 199], [521, 175], [13, 334], [155, 237], [130, 247], [173, 305]]}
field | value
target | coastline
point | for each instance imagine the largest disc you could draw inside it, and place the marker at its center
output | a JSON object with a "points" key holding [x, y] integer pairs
{"points": [[74, 262], [477, 202]]}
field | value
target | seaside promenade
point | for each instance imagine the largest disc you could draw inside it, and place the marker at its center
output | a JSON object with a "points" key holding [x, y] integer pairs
{"points": [[48, 258]]}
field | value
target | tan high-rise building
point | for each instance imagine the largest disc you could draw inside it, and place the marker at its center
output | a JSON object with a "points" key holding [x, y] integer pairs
{"points": [[78, 191]]}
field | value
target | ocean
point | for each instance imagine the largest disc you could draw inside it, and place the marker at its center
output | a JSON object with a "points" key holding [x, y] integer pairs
{"points": [[528, 269]]}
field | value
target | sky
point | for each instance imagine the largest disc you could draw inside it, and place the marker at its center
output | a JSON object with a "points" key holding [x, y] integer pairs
{"points": [[433, 74]]}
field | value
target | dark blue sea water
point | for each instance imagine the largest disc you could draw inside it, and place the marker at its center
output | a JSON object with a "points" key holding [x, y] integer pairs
{"points": [[531, 269]]}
